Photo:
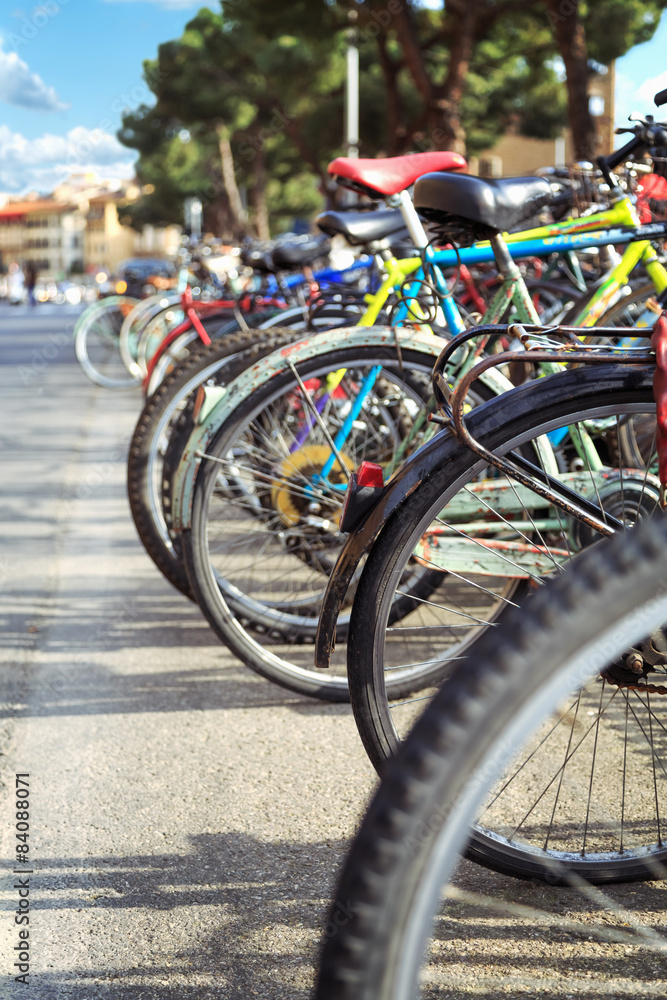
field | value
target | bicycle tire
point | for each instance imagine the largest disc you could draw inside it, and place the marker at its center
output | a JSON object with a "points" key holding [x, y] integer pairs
{"points": [[153, 434], [419, 820], [134, 323], [377, 647], [271, 631], [97, 342], [517, 415], [167, 356]]}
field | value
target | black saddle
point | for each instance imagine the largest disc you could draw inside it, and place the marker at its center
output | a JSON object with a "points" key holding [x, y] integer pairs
{"points": [[298, 251], [360, 228], [464, 209], [259, 256]]}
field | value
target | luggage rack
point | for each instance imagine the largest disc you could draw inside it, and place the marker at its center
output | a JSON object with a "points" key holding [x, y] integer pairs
{"points": [[551, 346]]}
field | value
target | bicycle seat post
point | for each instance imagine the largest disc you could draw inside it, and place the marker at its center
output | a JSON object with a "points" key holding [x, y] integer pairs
{"points": [[413, 223], [510, 272]]}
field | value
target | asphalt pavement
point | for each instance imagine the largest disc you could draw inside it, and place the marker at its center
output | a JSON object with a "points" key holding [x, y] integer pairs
{"points": [[187, 818]]}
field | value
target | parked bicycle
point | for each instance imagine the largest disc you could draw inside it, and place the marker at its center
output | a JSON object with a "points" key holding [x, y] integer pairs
{"points": [[255, 500], [515, 709]]}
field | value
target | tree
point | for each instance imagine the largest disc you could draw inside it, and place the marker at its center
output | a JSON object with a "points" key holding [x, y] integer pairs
{"points": [[249, 102], [470, 66], [445, 54], [603, 30], [221, 78]]}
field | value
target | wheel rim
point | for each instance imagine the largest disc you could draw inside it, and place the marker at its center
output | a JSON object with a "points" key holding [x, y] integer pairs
{"points": [[241, 515], [99, 350], [436, 633]]}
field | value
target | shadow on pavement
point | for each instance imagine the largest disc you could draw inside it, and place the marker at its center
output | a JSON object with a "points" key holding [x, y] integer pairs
{"points": [[269, 914]]}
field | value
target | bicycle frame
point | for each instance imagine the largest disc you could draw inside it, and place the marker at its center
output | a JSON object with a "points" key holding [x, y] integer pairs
{"points": [[561, 237], [193, 307], [216, 403], [622, 227]]}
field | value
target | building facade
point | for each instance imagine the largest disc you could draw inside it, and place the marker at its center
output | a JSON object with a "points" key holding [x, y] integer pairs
{"points": [[516, 154], [46, 232], [78, 229]]}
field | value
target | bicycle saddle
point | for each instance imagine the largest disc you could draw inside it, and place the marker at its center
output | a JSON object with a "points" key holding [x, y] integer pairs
{"points": [[465, 208], [360, 228], [299, 251], [393, 173], [259, 256]]}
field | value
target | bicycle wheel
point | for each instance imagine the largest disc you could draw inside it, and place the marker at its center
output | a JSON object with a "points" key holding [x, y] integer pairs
{"points": [[133, 325], [153, 437], [97, 342], [264, 533], [171, 353], [390, 935], [492, 539]]}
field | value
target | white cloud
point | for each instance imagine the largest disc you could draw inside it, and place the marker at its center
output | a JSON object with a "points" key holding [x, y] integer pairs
{"points": [[630, 97], [40, 164], [23, 88]]}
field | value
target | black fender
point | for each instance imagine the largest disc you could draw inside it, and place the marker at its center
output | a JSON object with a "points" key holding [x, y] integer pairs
{"points": [[483, 421], [425, 460]]}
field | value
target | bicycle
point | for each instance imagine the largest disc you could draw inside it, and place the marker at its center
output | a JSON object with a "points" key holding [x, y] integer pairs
{"points": [[401, 906], [160, 429], [358, 228], [296, 506]]}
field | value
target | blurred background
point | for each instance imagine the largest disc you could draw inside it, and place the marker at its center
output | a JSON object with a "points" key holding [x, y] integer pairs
{"points": [[126, 122]]}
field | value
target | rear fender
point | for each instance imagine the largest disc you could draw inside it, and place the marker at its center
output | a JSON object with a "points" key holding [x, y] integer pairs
{"points": [[406, 479]]}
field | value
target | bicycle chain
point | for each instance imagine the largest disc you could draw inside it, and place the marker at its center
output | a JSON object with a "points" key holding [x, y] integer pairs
{"points": [[647, 688]]}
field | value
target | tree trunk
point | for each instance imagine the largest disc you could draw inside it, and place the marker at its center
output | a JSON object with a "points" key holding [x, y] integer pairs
{"points": [[229, 179], [395, 133], [293, 129], [413, 55], [259, 197], [443, 113], [571, 41], [440, 121]]}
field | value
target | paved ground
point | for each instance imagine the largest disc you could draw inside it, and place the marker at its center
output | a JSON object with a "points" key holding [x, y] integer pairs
{"points": [[187, 818]]}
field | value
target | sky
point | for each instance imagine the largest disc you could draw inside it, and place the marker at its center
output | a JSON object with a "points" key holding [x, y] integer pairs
{"points": [[69, 68]]}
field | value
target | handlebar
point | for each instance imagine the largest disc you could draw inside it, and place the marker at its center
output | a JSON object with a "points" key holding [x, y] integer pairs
{"points": [[646, 136], [660, 98]]}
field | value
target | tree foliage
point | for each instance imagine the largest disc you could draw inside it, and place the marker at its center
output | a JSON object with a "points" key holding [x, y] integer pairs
{"points": [[249, 101]]}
